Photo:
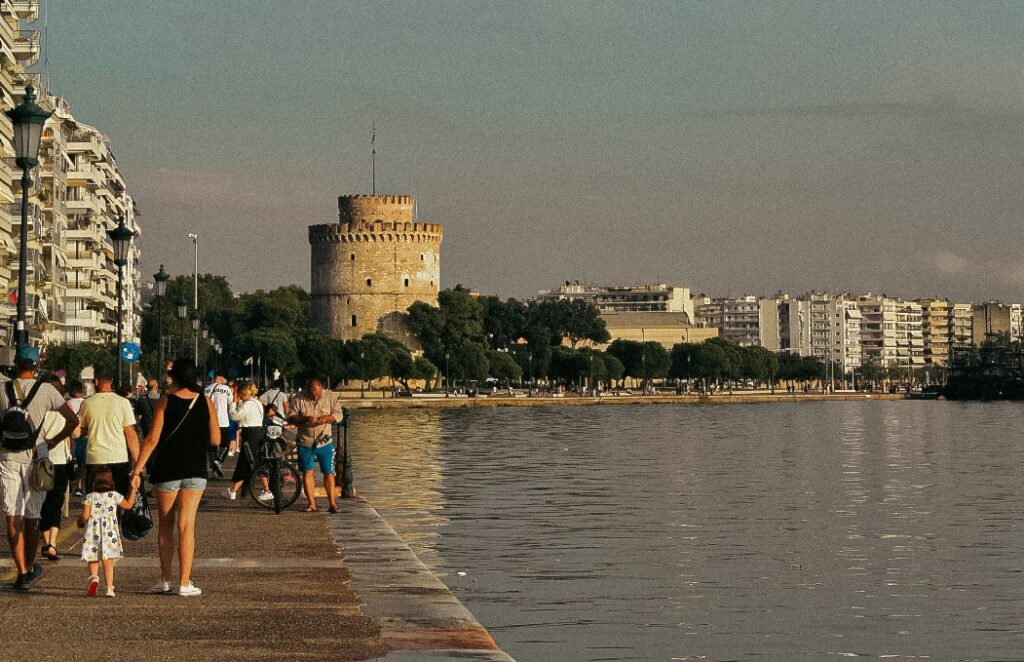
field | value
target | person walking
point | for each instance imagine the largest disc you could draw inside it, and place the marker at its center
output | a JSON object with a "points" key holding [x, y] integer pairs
{"points": [[52, 510], [26, 398], [314, 412], [145, 403], [109, 422], [221, 396], [76, 396], [276, 396], [102, 540], [185, 429], [248, 413]]}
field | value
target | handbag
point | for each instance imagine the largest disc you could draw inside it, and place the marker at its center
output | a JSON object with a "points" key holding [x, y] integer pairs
{"points": [[138, 520], [41, 473]]}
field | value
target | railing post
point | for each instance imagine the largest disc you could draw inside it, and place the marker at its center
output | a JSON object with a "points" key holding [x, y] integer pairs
{"points": [[348, 490]]}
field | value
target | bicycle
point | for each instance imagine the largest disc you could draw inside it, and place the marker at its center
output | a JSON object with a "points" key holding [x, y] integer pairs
{"points": [[275, 482]]}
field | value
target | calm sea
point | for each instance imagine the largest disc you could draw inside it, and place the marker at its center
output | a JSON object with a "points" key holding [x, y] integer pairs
{"points": [[814, 531]]}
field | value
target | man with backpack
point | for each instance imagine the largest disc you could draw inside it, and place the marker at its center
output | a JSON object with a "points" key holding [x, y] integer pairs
{"points": [[24, 402], [276, 396]]}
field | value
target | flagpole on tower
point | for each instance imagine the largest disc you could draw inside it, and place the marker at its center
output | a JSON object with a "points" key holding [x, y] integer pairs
{"points": [[373, 159]]}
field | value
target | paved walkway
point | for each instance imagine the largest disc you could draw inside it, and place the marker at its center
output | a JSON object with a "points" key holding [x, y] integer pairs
{"points": [[295, 586]]}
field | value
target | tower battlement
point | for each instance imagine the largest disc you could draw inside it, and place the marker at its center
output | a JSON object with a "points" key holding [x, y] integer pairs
{"points": [[370, 266]]}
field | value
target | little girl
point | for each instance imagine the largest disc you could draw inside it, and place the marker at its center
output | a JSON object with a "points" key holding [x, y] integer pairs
{"points": [[102, 536]]}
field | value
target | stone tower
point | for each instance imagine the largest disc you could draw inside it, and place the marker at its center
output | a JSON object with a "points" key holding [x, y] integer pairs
{"points": [[371, 265]]}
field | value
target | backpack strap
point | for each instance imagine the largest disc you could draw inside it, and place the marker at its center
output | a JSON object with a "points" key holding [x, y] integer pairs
{"points": [[12, 396], [32, 393]]}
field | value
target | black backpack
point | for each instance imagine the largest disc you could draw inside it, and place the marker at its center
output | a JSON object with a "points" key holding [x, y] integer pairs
{"points": [[16, 431]]}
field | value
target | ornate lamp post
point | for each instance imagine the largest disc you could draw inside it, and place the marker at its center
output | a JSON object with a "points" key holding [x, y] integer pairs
{"points": [[193, 316], [446, 357], [182, 313], [121, 237], [28, 120], [160, 279]]}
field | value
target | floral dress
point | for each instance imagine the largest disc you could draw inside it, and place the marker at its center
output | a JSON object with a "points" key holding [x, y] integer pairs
{"points": [[102, 536]]}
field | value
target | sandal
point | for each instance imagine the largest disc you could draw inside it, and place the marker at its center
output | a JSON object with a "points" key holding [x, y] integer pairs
{"points": [[50, 552], [311, 509], [94, 583], [332, 509]]}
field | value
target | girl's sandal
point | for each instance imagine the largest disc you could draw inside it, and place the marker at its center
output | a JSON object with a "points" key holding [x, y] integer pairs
{"points": [[94, 584], [50, 551]]}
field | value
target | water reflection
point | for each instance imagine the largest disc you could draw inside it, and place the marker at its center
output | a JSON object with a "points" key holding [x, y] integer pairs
{"points": [[781, 532]]}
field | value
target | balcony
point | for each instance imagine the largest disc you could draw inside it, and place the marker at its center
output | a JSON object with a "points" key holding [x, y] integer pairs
{"points": [[26, 46], [81, 142], [26, 10], [85, 177]]}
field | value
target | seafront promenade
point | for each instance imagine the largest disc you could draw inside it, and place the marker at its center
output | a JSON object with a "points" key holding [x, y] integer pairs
{"points": [[295, 586], [377, 400]]}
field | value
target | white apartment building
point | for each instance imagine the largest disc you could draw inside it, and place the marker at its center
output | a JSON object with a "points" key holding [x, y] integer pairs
{"points": [[77, 194], [738, 319], [825, 326], [658, 298]]}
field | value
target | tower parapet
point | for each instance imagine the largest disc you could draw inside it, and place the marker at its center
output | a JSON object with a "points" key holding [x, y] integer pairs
{"points": [[371, 265]]}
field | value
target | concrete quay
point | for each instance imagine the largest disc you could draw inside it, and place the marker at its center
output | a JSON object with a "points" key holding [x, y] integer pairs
{"points": [[295, 586], [375, 401]]}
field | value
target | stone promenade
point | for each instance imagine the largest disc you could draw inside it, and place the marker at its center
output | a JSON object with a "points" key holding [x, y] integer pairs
{"points": [[294, 586]]}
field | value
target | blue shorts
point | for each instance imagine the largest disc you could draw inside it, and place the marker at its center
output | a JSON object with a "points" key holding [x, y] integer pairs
{"points": [[183, 484], [79, 446], [309, 457]]}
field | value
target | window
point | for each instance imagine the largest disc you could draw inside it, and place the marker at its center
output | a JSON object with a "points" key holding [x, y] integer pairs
{"points": [[353, 320], [407, 282], [352, 257], [369, 282]]}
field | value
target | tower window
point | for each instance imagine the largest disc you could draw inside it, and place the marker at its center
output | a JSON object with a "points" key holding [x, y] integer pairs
{"points": [[422, 259], [352, 257], [369, 282], [407, 282], [353, 320]]}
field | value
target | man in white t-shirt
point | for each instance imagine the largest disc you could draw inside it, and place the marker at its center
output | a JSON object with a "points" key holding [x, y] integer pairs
{"points": [[222, 396], [109, 423], [276, 396], [20, 503]]}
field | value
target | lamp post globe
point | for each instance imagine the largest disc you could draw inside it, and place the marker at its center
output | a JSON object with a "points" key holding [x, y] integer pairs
{"points": [[27, 119], [193, 317], [160, 279], [182, 307]]}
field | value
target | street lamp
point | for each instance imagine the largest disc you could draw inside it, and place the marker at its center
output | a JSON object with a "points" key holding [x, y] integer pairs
{"points": [[27, 119], [593, 391], [446, 357], [362, 382], [121, 237], [195, 273], [160, 279], [193, 317]]}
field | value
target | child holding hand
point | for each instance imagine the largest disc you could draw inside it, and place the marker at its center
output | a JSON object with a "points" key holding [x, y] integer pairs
{"points": [[102, 541]]}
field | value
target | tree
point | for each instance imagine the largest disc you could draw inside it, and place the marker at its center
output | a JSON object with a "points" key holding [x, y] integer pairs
{"points": [[630, 354], [72, 359], [503, 322], [503, 367]]}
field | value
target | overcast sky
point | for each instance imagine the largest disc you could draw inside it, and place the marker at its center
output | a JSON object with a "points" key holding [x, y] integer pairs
{"points": [[728, 147]]}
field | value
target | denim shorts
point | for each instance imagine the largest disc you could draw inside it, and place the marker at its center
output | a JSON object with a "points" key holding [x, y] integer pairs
{"points": [[81, 444], [310, 457], [183, 484]]}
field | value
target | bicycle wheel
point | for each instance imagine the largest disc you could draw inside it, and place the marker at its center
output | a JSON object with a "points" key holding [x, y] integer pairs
{"points": [[262, 485]]}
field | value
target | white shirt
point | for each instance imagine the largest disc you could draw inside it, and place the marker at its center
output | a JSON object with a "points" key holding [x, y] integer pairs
{"points": [[221, 396], [248, 414]]}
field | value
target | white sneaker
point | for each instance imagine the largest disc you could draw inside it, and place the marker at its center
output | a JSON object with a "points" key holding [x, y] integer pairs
{"points": [[188, 591], [110, 592], [232, 495], [231, 453], [162, 586], [265, 495]]}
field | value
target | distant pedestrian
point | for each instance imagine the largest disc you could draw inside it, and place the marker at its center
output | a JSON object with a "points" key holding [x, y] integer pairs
{"points": [[145, 404], [109, 421], [248, 413], [185, 428], [102, 540], [20, 501], [314, 413], [275, 395], [79, 441], [221, 396]]}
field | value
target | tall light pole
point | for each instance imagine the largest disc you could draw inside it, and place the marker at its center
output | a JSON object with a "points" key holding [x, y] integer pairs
{"points": [[362, 382], [446, 357], [182, 313], [195, 273], [193, 317], [160, 279], [121, 237], [28, 120]]}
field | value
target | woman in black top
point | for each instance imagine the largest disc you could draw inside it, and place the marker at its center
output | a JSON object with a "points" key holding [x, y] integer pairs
{"points": [[184, 428]]}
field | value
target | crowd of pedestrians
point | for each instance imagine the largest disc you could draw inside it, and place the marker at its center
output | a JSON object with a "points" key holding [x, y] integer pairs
{"points": [[176, 433]]}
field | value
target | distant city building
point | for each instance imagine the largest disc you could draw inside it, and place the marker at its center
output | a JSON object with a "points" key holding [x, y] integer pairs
{"points": [[627, 299], [662, 327], [995, 318], [370, 266]]}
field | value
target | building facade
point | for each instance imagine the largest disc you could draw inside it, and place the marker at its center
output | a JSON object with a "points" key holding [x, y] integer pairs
{"points": [[738, 319], [370, 266], [993, 319], [658, 298]]}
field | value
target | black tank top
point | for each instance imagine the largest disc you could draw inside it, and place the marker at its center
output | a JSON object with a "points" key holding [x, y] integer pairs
{"points": [[182, 454]]}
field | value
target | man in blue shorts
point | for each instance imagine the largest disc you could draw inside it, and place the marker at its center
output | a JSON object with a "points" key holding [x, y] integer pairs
{"points": [[314, 412]]}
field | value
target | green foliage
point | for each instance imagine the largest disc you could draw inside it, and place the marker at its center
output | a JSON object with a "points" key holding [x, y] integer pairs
{"points": [[72, 359], [503, 367]]}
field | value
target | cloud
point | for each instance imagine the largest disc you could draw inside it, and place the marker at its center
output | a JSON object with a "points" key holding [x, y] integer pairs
{"points": [[949, 264]]}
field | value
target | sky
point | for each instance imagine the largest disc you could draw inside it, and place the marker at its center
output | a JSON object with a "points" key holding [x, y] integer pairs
{"points": [[728, 147]]}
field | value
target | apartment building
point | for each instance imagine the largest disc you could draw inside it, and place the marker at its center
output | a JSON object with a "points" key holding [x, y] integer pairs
{"points": [[657, 298], [878, 330], [995, 318], [77, 194], [738, 319], [910, 348]]}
